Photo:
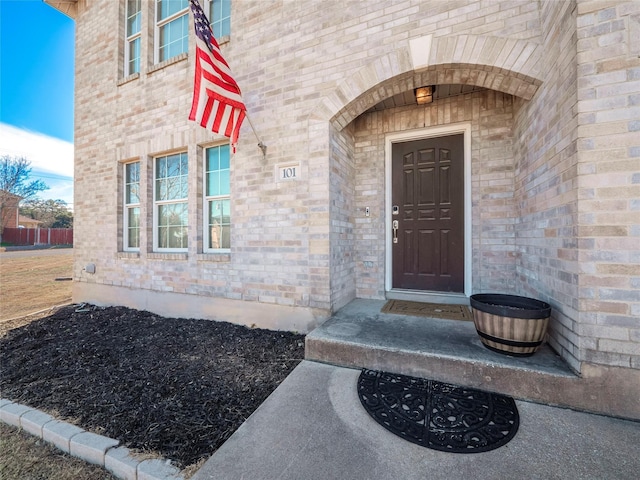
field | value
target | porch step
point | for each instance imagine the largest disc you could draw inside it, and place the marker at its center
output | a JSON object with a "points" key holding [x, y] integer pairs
{"points": [[360, 336]]}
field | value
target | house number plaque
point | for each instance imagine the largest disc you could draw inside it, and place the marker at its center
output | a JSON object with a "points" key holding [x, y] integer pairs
{"points": [[288, 172]]}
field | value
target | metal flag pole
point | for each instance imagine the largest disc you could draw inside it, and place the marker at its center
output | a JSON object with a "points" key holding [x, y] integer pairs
{"points": [[261, 144]]}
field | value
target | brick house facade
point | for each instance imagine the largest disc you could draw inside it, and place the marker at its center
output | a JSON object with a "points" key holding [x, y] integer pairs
{"points": [[9, 209], [545, 95]]}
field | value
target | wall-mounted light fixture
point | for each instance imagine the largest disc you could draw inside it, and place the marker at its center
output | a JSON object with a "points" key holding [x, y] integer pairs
{"points": [[424, 95]]}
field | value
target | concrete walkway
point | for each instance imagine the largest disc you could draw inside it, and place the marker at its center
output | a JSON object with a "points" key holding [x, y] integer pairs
{"points": [[314, 427]]}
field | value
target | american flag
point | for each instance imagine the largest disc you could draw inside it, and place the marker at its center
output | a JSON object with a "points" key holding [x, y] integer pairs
{"points": [[217, 104]]}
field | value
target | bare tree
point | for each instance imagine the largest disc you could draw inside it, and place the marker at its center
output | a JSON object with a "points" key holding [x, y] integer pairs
{"points": [[15, 186]]}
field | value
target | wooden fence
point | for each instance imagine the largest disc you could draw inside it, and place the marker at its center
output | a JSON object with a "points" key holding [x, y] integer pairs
{"points": [[38, 236]]}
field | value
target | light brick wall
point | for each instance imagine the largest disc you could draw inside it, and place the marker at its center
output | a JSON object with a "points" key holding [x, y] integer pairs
{"points": [[546, 160], [343, 210], [608, 57], [577, 159], [283, 235], [554, 149]]}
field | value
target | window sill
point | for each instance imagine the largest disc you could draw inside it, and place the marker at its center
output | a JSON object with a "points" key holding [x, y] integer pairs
{"points": [[167, 256], [224, 39], [214, 257], [134, 255], [130, 78], [166, 63]]}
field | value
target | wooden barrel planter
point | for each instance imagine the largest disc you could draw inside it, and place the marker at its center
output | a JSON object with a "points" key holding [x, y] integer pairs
{"points": [[510, 324]]}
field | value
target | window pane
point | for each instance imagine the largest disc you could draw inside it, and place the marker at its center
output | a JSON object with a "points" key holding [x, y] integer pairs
{"points": [[172, 177], [132, 183], [220, 224], [218, 209], [133, 234], [213, 159], [161, 190], [161, 167], [224, 182], [133, 17], [213, 184], [220, 17], [218, 181], [173, 166], [133, 172], [174, 38], [133, 193], [133, 65], [216, 10], [225, 27], [134, 238], [134, 217], [224, 156], [184, 187], [172, 225], [226, 8], [166, 8]]}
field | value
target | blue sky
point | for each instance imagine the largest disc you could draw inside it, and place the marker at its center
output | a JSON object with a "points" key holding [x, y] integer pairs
{"points": [[36, 91]]}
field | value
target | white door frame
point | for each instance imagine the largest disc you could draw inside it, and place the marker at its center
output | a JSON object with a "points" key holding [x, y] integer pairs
{"points": [[419, 134]]}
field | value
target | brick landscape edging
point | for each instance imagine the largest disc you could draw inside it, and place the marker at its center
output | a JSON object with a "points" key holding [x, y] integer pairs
{"points": [[87, 446]]}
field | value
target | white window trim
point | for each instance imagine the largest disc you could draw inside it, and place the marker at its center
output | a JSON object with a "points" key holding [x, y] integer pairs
{"points": [[205, 204], [126, 208], [160, 23], [128, 39], [157, 203]]}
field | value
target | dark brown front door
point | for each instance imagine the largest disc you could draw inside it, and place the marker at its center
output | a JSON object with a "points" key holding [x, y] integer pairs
{"points": [[428, 205]]}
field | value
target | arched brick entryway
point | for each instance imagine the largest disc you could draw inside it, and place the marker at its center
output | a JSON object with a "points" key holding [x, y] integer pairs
{"points": [[507, 68], [505, 65]]}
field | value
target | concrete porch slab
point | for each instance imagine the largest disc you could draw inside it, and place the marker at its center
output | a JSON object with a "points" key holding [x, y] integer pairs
{"points": [[359, 335], [314, 427]]}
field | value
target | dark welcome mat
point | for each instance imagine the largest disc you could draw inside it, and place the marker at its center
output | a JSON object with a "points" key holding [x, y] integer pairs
{"points": [[438, 415], [432, 310]]}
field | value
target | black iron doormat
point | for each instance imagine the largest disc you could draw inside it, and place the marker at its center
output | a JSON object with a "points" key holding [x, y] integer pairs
{"points": [[438, 415]]}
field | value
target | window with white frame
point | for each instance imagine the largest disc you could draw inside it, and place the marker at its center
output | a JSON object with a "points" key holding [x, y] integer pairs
{"points": [[170, 197], [172, 28], [132, 41], [131, 214], [220, 18], [217, 199]]}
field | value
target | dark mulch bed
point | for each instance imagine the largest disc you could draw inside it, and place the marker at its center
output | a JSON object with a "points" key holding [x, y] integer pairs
{"points": [[173, 386]]}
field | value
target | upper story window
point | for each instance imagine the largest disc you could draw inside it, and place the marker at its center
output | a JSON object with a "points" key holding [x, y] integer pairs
{"points": [[131, 214], [220, 18], [217, 199], [132, 40], [170, 197], [172, 28]]}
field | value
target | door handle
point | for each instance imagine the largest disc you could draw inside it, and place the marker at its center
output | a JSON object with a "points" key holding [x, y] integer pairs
{"points": [[395, 231]]}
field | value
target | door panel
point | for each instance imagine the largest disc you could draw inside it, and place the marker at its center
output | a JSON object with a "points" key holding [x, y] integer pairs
{"points": [[428, 188]]}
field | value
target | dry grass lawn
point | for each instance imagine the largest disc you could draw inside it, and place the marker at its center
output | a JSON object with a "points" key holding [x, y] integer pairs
{"points": [[23, 456], [29, 283]]}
